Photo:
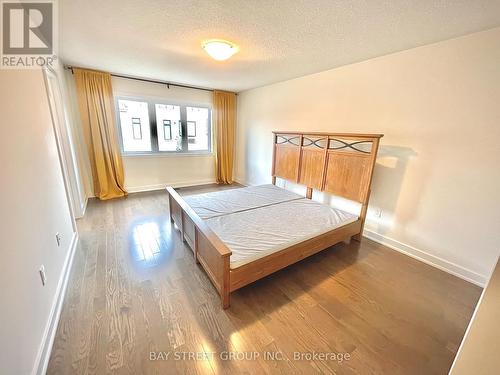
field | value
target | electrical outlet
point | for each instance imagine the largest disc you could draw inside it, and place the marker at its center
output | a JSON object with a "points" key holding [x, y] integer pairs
{"points": [[58, 239], [376, 212], [43, 277]]}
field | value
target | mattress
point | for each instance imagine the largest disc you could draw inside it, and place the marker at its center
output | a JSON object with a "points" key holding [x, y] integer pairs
{"points": [[229, 201], [256, 233]]}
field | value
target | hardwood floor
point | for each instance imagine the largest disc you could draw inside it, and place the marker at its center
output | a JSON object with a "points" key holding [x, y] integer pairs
{"points": [[135, 290]]}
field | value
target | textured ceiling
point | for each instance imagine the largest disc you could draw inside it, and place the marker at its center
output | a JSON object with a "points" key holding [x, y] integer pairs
{"points": [[279, 39]]}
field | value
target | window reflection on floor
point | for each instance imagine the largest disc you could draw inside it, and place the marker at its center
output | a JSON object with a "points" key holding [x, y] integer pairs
{"points": [[149, 245]]}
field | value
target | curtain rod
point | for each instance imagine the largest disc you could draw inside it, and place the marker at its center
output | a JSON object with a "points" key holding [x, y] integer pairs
{"points": [[168, 84]]}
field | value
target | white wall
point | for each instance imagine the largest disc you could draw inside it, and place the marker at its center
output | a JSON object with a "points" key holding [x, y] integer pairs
{"points": [[437, 178], [154, 171], [33, 209]]}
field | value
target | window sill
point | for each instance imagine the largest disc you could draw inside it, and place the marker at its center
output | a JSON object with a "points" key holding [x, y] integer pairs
{"points": [[168, 154]]}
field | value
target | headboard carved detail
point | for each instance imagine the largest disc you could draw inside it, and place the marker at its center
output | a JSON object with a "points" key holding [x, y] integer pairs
{"points": [[337, 163]]}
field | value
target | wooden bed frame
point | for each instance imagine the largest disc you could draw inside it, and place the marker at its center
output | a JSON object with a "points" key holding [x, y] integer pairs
{"points": [[337, 163]]}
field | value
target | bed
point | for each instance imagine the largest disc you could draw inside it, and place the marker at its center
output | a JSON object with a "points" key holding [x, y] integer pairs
{"points": [[241, 235]]}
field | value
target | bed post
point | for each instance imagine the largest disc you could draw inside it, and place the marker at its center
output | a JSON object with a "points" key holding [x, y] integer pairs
{"points": [[309, 193], [364, 207], [225, 292], [170, 207], [182, 226], [275, 139], [195, 250], [362, 217]]}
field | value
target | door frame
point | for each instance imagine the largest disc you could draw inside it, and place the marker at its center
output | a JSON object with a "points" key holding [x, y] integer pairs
{"points": [[65, 147]]}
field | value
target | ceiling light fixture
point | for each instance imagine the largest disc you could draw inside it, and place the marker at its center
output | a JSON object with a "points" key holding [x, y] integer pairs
{"points": [[219, 49]]}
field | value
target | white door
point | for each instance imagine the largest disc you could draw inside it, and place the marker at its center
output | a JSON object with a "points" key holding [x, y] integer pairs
{"points": [[65, 144]]}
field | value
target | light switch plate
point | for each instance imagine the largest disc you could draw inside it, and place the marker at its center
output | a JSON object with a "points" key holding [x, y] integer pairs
{"points": [[43, 277]]}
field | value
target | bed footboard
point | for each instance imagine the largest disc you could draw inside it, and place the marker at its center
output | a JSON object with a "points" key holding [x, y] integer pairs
{"points": [[209, 250]]}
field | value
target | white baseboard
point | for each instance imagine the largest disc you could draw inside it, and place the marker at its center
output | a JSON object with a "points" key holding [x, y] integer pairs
{"points": [[83, 208], [42, 361], [427, 258], [240, 181], [139, 189]]}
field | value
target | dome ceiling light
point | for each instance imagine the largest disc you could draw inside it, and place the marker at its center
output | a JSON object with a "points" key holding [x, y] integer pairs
{"points": [[219, 50]]}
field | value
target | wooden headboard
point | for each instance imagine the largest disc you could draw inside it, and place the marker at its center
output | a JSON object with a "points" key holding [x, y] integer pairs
{"points": [[337, 163]]}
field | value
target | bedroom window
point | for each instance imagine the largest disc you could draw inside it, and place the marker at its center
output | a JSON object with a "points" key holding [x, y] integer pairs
{"points": [[148, 127], [198, 131], [168, 125], [135, 132]]}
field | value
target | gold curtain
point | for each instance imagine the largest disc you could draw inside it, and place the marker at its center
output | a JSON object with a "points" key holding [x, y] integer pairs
{"points": [[95, 99], [224, 121]]}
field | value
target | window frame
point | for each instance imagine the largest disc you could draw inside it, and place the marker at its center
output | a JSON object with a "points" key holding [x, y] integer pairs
{"points": [[138, 122], [187, 126], [151, 102], [169, 130]]}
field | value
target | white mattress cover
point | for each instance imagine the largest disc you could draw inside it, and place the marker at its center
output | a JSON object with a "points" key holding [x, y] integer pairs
{"points": [[234, 200], [262, 231]]}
